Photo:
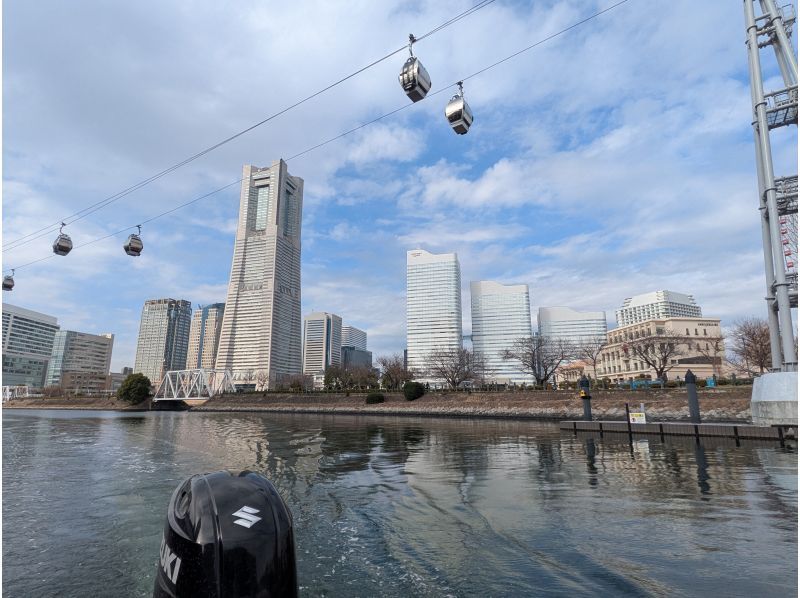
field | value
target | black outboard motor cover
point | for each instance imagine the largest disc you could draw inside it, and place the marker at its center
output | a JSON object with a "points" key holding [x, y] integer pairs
{"points": [[227, 536]]}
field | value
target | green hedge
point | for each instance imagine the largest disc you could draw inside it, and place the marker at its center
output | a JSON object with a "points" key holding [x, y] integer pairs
{"points": [[374, 397], [413, 390]]}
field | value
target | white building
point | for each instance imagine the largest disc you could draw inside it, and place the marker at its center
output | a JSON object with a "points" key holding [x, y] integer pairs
{"points": [[163, 338], [79, 352], [262, 324], [501, 314], [322, 342], [433, 305], [657, 305], [353, 337], [572, 325], [27, 345], [204, 336]]}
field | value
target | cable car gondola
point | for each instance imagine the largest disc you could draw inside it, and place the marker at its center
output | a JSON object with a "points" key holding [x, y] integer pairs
{"points": [[414, 79], [458, 112], [63, 244], [8, 281], [133, 246]]}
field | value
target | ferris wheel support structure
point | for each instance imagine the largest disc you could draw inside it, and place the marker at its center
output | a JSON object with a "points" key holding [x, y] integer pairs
{"points": [[777, 196]]}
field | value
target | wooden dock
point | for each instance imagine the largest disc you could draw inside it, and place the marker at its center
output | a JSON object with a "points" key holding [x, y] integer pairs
{"points": [[662, 429]]}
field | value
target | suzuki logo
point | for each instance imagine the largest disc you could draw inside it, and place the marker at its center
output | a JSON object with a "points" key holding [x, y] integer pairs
{"points": [[170, 563], [247, 515]]}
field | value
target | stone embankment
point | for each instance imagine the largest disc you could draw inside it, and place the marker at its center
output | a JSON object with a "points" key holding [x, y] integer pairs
{"points": [[721, 405]]}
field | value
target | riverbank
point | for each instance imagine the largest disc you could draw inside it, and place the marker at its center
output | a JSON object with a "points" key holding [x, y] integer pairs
{"points": [[728, 405], [719, 405]]}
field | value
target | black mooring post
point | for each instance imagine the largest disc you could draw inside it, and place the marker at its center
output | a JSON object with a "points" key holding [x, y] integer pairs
{"points": [[691, 389], [587, 398]]}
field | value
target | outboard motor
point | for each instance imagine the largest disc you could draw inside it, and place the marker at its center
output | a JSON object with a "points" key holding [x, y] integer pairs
{"points": [[227, 535]]}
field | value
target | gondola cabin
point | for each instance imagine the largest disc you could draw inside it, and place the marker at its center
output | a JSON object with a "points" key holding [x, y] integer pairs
{"points": [[458, 114], [414, 79]]}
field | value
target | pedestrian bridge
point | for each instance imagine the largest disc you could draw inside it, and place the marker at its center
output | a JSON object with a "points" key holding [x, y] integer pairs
{"points": [[194, 385]]}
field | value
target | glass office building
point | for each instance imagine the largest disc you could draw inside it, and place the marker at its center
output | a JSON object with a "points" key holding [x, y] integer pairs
{"points": [[204, 336], [27, 344], [322, 342], [433, 306], [79, 352], [501, 314], [571, 325], [163, 338]]}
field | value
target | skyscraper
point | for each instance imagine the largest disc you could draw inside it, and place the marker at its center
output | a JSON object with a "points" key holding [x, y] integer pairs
{"points": [[353, 337], [79, 352], [433, 305], [501, 314], [262, 324], [27, 344], [204, 336], [571, 325], [657, 305], [322, 342], [163, 337]]}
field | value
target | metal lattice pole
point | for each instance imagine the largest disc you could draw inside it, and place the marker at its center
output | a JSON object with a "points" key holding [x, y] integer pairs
{"points": [[771, 111]]}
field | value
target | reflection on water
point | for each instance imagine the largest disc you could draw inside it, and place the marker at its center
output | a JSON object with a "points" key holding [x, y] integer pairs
{"points": [[406, 507]]}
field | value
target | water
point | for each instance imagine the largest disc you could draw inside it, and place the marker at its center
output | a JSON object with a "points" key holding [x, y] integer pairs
{"points": [[405, 507]]}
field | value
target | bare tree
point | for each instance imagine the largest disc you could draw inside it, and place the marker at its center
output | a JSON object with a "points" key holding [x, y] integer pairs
{"points": [[336, 377], [248, 375], [298, 382], [750, 345], [393, 371], [540, 356], [713, 349], [455, 366], [657, 352], [362, 376], [589, 349], [262, 377]]}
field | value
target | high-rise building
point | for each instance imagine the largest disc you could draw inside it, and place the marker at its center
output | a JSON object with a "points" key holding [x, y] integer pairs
{"points": [[80, 353], [27, 344], [433, 306], [353, 337], [352, 357], [501, 314], [204, 336], [657, 305], [322, 342], [571, 325], [262, 324], [163, 337]]}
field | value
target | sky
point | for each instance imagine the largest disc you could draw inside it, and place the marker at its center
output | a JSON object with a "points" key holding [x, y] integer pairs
{"points": [[612, 160]]}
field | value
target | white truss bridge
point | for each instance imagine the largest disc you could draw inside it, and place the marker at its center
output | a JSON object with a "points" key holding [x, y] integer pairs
{"points": [[179, 385]]}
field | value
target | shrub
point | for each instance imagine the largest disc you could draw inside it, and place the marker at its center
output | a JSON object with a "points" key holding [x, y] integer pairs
{"points": [[413, 390], [374, 397], [135, 389]]}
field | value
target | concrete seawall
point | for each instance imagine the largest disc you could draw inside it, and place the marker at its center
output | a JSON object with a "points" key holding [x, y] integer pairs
{"points": [[725, 405]]}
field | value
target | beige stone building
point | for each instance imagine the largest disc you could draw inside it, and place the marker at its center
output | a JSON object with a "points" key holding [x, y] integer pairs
{"points": [[697, 342]]}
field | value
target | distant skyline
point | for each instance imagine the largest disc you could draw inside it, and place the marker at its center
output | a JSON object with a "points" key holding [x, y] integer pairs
{"points": [[615, 160]]}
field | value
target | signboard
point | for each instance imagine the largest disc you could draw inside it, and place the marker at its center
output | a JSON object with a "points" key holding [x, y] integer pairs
{"points": [[637, 417], [711, 382]]}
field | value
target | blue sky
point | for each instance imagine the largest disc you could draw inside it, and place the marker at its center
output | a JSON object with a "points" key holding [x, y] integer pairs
{"points": [[614, 160]]}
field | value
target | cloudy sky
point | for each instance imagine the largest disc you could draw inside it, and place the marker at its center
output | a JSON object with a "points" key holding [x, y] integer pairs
{"points": [[612, 160]]}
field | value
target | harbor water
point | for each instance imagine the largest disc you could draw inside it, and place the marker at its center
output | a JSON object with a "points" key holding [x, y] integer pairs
{"points": [[397, 506]]}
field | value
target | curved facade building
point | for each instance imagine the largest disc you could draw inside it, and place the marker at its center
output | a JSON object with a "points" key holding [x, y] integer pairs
{"points": [[572, 325]]}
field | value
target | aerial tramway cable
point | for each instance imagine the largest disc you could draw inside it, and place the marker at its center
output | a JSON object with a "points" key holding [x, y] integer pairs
{"points": [[80, 214], [345, 133]]}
